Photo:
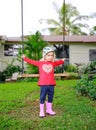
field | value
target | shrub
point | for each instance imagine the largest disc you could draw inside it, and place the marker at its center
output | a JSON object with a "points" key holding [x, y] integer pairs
{"points": [[2, 77], [71, 68], [86, 87], [92, 90], [92, 66], [89, 67], [10, 70]]}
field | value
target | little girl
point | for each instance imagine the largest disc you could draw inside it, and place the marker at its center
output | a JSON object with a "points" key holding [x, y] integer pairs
{"points": [[46, 78]]}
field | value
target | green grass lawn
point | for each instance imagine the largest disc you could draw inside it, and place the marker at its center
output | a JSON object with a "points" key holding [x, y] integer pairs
{"points": [[19, 108]]}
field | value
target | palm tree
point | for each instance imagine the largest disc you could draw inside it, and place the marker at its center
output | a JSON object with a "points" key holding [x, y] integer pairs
{"points": [[93, 30], [33, 45], [74, 22]]}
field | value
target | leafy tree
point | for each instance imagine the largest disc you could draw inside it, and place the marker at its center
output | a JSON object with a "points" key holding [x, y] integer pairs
{"points": [[69, 21], [33, 45], [93, 30]]}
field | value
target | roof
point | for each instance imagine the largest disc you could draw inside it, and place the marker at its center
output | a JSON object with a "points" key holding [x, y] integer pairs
{"points": [[59, 39], [13, 40], [70, 39]]}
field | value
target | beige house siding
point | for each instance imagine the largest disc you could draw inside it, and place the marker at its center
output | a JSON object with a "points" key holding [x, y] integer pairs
{"points": [[79, 53]]}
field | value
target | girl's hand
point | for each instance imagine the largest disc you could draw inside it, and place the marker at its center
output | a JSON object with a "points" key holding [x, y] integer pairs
{"points": [[63, 59], [23, 56]]}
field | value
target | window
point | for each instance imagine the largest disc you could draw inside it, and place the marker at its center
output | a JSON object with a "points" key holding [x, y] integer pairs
{"points": [[11, 50], [92, 54], [62, 51]]}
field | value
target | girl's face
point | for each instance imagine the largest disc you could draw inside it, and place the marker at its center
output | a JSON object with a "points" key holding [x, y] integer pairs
{"points": [[49, 56]]}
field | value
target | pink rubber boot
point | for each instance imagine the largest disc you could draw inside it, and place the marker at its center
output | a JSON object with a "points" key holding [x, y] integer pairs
{"points": [[49, 109], [41, 111]]}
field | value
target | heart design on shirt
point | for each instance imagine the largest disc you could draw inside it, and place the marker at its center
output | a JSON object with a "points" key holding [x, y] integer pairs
{"points": [[47, 68]]}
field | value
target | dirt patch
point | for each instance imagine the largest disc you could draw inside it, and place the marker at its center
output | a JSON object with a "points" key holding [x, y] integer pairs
{"points": [[30, 111]]}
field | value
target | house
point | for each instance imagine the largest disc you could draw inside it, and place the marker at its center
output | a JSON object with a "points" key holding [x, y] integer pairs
{"points": [[77, 49], [82, 49], [8, 49]]}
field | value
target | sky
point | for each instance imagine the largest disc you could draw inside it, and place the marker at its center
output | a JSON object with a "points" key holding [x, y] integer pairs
{"points": [[33, 11]]}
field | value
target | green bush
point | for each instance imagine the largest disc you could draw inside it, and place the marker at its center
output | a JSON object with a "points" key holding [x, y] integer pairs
{"points": [[2, 77], [89, 67], [86, 87], [92, 90], [10, 70], [92, 65], [71, 68]]}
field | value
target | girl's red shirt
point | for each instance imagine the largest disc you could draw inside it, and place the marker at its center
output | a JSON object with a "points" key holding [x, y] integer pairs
{"points": [[46, 70]]}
